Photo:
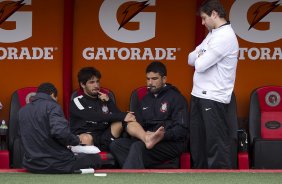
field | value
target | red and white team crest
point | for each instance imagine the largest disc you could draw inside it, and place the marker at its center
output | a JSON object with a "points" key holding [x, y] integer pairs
{"points": [[105, 109], [163, 107], [272, 98]]}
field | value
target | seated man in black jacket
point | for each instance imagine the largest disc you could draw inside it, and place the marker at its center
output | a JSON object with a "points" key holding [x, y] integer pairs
{"points": [[93, 115], [163, 114], [45, 135]]}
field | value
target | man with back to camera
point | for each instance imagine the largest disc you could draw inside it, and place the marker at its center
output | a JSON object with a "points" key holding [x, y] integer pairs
{"points": [[215, 61], [45, 136], [163, 114]]}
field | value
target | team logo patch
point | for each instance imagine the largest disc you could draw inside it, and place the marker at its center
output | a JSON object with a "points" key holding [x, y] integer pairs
{"points": [[272, 99], [163, 107], [105, 109]]}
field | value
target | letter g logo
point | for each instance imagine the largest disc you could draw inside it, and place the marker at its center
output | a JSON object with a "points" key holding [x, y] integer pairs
{"points": [[23, 29], [110, 24], [238, 17]]}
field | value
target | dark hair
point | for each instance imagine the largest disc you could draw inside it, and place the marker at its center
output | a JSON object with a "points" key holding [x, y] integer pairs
{"points": [[156, 67], [87, 73], [212, 5], [47, 88]]}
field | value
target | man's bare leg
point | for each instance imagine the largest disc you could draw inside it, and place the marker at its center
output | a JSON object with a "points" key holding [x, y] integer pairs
{"points": [[116, 129], [86, 139], [136, 130], [149, 138]]}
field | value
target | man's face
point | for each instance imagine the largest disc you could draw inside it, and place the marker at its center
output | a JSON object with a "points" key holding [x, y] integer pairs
{"points": [[155, 82], [92, 87], [208, 21]]}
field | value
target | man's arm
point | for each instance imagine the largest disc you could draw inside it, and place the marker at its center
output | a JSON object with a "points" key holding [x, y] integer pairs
{"points": [[217, 48], [59, 127], [84, 113], [194, 55], [178, 129], [105, 98], [112, 106]]}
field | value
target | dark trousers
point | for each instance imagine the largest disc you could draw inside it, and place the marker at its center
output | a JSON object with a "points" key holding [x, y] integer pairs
{"points": [[133, 154], [84, 161], [210, 141]]}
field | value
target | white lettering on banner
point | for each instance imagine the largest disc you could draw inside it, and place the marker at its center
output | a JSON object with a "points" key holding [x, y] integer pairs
{"points": [[110, 25], [238, 17], [23, 29], [25, 53], [261, 54], [101, 53]]}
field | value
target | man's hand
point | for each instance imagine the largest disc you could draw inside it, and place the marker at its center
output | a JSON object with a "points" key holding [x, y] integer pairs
{"points": [[129, 117], [104, 97], [201, 52]]}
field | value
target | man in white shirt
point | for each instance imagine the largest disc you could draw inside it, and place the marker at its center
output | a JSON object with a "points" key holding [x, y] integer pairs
{"points": [[215, 61]]}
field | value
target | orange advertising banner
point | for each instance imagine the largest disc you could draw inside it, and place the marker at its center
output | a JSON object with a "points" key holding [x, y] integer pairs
{"points": [[30, 46], [120, 38]]}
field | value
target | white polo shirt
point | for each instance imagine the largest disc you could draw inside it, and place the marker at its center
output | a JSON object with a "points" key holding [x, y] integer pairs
{"points": [[215, 61]]}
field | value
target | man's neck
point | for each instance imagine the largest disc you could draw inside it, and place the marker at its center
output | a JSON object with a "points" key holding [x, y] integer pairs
{"points": [[220, 22], [156, 94]]}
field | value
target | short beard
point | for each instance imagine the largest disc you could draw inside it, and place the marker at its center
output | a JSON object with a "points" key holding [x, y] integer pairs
{"points": [[153, 89], [93, 95]]}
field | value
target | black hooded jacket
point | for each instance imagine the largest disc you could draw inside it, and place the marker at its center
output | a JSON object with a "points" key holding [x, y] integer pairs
{"points": [[89, 114], [45, 135], [168, 108]]}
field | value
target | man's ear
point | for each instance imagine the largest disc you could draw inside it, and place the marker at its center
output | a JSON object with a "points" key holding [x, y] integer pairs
{"points": [[214, 14], [82, 85], [54, 97], [164, 79]]}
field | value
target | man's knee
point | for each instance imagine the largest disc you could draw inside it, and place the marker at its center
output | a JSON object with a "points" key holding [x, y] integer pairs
{"points": [[112, 146], [138, 146], [116, 129], [86, 139]]}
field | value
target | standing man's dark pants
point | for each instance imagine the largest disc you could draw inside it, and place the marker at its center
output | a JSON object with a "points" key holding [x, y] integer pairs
{"points": [[210, 140], [133, 154]]}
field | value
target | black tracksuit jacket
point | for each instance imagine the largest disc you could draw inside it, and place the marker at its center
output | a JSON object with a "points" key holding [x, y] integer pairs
{"points": [[45, 134], [169, 109], [91, 114]]}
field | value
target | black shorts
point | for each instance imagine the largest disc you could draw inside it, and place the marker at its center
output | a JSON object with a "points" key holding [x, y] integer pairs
{"points": [[103, 139]]}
